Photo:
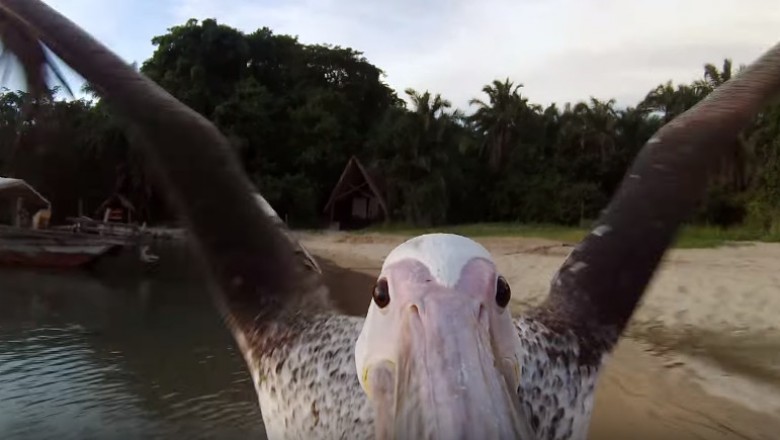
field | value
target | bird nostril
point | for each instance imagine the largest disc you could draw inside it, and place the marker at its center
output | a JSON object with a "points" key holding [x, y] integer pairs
{"points": [[480, 312], [415, 309]]}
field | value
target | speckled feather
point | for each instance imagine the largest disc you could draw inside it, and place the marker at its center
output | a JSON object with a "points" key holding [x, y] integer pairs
{"points": [[304, 372], [556, 388], [308, 387]]}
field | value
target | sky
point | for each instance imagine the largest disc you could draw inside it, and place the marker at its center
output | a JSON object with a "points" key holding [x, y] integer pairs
{"points": [[560, 50]]}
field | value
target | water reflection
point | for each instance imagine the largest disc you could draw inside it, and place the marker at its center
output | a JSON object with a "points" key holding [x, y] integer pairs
{"points": [[144, 357]]}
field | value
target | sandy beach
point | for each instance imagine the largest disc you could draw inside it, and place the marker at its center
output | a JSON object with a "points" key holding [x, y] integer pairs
{"points": [[701, 359]]}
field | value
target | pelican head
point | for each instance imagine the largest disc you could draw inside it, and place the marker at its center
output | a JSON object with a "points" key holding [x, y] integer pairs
{"points": [[438, 354]]}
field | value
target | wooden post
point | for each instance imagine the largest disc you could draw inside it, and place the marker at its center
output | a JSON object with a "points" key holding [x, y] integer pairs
{"points": [[18, 212], [81, 207]]}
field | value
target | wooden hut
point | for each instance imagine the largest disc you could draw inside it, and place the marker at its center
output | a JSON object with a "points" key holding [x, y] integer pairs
{"points": [[116, 209], [357, 200], [21, 205]]}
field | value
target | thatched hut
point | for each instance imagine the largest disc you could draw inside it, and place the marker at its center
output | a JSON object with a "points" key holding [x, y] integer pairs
{"points": [[21, 205], [117, 208], [357, 200]]}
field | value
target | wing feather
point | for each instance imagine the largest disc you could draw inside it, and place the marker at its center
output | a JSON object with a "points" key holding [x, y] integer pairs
{"points": [[265, 276], [598, 287]]}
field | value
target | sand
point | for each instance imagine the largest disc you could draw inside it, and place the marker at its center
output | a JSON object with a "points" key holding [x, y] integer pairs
{"points": [[701, 359]]}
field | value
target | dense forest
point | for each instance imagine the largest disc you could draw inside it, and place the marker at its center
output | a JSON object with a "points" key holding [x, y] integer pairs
{"points": [[296, 113]]}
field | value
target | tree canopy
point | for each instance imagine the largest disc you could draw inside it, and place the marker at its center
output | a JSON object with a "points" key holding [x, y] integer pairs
{"points": [[296, 113]]}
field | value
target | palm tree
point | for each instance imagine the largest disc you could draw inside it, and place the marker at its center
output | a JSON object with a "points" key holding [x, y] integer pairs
{"points": [[422, 153], [429, 109], [672, 101], [498, 119], [733, 170], [591, 127], [717, 77]]}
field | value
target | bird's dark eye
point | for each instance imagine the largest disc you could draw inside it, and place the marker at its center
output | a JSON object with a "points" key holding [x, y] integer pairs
{"points": [[381, 294], [503, 292]]}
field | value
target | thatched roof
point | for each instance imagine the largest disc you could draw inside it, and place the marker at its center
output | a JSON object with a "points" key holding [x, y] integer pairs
{"points": [[127, 204], [11, 188], [354, 172]]}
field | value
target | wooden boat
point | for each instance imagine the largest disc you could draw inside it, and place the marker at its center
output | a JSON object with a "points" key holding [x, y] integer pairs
{"points": [[31, 254], [26, 240], [51, 249]]}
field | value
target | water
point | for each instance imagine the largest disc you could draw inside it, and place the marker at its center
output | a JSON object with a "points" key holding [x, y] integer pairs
{"points": [[123, 354], [86, 357]]}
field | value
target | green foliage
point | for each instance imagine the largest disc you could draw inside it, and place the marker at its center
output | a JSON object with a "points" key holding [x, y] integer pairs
{"points": [[296, 113], [414, 150], [763, 201]]}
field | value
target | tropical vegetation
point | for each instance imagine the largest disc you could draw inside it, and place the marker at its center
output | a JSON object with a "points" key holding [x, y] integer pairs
{"points": [[296, 113]]}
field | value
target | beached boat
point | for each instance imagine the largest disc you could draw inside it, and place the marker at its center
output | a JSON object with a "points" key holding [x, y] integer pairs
{"points": [[50, 255], [53, 249], [26, 241]]}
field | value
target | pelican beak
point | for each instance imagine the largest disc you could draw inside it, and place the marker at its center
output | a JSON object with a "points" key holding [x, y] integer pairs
{"points": [[447, 382]]}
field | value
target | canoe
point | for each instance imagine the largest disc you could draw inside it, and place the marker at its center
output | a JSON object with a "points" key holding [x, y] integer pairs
{"points": [[50, 249]]}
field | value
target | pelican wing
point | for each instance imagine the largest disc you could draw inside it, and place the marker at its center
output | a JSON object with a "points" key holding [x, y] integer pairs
{"points": [[264, 276], [598, 287]]}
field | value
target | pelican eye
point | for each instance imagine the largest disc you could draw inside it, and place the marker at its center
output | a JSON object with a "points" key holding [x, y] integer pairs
{"points": [[381, 294], [503, 292]]}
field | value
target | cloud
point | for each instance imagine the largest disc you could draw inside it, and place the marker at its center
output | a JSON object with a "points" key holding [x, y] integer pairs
{"points": [[561, 50]]}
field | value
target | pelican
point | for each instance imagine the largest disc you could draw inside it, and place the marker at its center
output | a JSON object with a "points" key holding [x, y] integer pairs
{"points": [[438, 355]]}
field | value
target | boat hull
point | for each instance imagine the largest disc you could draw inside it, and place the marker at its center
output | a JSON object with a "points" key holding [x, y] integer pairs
{"points": [[51, 256], [51, 249]]}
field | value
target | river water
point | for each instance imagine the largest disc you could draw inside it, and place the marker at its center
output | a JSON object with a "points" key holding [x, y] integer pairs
{"points": [[86, 356]]}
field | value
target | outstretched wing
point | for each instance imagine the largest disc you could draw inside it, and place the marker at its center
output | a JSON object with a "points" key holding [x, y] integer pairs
{"points": [[304, 257], [597, 289], [261, 278]]}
